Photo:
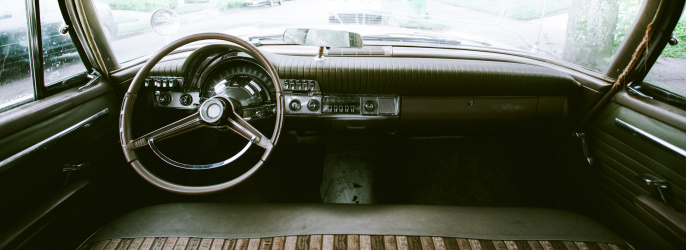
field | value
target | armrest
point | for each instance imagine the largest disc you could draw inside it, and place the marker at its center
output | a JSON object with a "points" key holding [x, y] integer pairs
{"points": [[667, 216]]}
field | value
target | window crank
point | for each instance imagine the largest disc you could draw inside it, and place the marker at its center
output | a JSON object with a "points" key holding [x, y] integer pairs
{"points": [[657, 182]]}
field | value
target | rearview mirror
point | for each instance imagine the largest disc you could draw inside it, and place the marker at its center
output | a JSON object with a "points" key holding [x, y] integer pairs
{"points": [[165, 22], [323, 38]]}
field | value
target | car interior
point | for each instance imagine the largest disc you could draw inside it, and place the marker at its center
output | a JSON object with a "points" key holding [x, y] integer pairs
{"points": [[330, 141]]}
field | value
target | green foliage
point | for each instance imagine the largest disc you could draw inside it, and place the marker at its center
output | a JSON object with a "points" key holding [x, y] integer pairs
{"points": [[628, 9], [229, 4], [678, 51], [627, 14], [520, 9], [141, 5]]}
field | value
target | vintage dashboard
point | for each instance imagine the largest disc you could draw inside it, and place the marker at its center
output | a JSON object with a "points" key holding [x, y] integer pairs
{"points": [[360, 93]]}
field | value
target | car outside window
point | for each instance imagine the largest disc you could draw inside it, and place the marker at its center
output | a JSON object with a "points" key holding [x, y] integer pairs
{"points": [[582, 32], [16, 86], [61, 60], [669, 71]]}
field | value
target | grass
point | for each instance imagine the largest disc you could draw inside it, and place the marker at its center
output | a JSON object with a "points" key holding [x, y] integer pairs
{"points": [[521, 9], [678, 51]]}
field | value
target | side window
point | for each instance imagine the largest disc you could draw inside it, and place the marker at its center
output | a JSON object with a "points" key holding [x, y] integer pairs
{"points": [[668, 74], [61, 61], [60, 58], [16, 84]]}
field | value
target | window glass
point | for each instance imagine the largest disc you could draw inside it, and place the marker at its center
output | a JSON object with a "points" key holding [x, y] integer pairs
{"points": [[60, 58], [16, 86], [669, 71], [582, 32]]}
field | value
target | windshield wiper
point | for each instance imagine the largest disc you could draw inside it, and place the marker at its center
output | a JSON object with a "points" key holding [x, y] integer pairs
{"points": [[274, 39], [411, 39]]}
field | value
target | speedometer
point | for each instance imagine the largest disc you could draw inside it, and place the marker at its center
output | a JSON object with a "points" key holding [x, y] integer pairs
{"points": [[244, 82]]}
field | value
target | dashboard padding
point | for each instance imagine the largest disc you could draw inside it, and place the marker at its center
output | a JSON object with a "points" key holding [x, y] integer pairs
{"points": [[425, 76]]}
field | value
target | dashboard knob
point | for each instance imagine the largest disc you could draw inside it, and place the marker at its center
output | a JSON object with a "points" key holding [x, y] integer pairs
{"points": [[369, 106], [186, 100], [165, 99], [294, 105], [313, 105]]}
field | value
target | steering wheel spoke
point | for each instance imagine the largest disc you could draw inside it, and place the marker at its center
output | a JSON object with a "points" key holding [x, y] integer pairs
{"points": [[176, 128]]}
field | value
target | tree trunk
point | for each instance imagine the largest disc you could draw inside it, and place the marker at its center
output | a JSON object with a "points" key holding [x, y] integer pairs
{"points": [[590, 30]]}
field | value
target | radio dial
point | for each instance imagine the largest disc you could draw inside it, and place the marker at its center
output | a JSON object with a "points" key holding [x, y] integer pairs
{"points": [[165, 99], [186, 100], [369, 106], [294, 105], [313, 105]]}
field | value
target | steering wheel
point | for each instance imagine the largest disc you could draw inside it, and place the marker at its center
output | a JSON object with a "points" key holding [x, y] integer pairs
{"points": [[218, 112]]}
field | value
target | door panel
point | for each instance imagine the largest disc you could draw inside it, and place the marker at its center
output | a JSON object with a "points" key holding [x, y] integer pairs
{"points": [[621, 156], [36, 189], [26, 134]]}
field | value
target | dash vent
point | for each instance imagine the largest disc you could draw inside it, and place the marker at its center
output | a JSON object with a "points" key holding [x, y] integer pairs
{"points": [[364, 51]]}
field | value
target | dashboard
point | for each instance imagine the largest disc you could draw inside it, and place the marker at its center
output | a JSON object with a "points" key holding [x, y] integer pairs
{"points": [[363, 92]]}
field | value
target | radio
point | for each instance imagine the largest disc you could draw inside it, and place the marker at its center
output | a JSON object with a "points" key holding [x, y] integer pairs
{"points": [[340, 105], [304, 97]]}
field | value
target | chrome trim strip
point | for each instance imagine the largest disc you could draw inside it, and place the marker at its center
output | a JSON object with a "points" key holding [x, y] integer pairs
{"points": [[344, 117], [90, 44], [35, 44], [18, 157], [649, 137]]}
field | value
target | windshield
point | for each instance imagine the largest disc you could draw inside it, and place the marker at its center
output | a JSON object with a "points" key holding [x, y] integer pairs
{"points": [[583, 32]]}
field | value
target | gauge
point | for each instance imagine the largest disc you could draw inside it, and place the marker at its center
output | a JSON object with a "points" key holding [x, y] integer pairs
{"points": [[245, 82]]}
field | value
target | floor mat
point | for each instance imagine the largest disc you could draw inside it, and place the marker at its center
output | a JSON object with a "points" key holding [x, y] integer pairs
{"points": [[467, 171]]}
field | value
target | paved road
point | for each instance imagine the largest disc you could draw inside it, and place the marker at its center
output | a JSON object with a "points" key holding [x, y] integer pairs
{"points": [[669, 73]]}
